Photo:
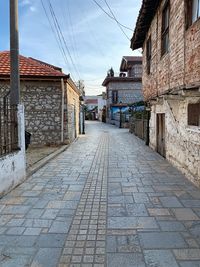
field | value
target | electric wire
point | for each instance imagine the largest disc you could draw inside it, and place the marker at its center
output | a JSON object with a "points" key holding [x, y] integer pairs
{"points": [[119, 25], [110, 16], [55, 35], [62, 37]]}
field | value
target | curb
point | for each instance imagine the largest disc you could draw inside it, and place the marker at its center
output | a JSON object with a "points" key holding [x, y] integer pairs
{"points": [[30, 171]]}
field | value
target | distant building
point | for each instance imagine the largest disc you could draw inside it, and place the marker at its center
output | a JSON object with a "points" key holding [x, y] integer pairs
{"points": [[124, 90], [169, 33], [94, 106]]}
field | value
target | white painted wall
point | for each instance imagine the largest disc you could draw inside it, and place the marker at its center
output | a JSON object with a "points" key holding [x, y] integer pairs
{"points": [[13, 165], [182, 141]]}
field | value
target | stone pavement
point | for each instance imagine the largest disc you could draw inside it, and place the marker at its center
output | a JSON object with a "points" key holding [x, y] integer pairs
{"points": [[106, 201]]}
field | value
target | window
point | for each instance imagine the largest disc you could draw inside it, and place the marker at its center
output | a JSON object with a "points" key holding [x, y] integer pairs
{"points": [[165, 29], [136, 71], [193, 11], [194, 114], [114, 97], [148, 55]]}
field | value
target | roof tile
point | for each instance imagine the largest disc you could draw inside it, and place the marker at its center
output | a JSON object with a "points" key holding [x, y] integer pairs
{"points": [[28, 67]]}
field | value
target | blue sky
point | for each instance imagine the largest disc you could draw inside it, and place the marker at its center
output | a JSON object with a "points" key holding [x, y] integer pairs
{"points": [[94, 41]]}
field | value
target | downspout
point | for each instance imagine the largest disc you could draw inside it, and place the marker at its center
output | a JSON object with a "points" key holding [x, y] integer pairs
{"points": [[62, 110]]}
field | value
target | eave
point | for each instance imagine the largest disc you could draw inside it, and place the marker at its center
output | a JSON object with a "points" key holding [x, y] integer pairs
{"points": [[36, 78], [120, 79], [146, 15]]}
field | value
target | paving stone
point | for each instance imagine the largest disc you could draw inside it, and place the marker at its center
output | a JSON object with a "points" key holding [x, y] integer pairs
{"points": [[4, 219], [171, 226], [63, 207], [126, 244], [60, 227], [13, 260], [162, 240], [15, 222], [159, 212], [32, 231], [132, 223], [170, 202], [189, 263], [46, 257], [185, 214], [138, 210], [15, 231], [140, 197], [125, 260], [187, 254], [50, 241], [161, 258]]}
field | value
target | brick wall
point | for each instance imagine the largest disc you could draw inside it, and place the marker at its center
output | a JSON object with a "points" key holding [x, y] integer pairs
{"points": [[181, 66]]}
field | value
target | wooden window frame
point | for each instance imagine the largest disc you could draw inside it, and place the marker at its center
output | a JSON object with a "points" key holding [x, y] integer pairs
{"points": [[148, 55], [189, 12], [193, 114], [165, 29], [114, 97]]}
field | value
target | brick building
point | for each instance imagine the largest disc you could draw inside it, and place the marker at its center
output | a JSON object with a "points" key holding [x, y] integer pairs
{"points": [[50, 98], [169, 33], [123, 90]]}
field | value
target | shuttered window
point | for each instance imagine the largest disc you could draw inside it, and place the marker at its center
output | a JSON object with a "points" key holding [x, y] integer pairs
{"points": [[165, 29], [194, 114], [148, 55]]}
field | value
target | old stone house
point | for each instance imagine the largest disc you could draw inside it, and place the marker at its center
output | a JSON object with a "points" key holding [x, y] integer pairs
{"points": [[124, 89], [169, 33], [50, 98]]}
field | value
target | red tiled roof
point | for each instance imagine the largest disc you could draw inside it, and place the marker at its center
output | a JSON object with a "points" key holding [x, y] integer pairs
{"points": [[91, 101], [29, 67]]}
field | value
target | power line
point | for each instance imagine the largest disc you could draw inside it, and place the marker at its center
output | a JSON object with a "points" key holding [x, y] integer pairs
{"points": [[119, 25], [111, 17], [62, 36], [56, 35], [93, 36]]}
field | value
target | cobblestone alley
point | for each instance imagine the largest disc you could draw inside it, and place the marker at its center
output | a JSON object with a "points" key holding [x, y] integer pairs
{"points": [[108, 200]]}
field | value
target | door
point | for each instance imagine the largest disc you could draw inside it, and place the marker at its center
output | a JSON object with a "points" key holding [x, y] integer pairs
{"points": [[161, 134]]}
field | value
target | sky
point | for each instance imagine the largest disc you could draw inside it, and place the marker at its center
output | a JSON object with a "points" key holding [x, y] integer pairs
{"points": [[92, 41]]}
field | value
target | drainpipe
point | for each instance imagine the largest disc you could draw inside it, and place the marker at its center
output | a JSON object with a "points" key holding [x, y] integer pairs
{"points": [[62, 110]]}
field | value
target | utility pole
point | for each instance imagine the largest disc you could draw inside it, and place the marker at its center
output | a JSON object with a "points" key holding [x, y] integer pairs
{"points": [[14, 54]]}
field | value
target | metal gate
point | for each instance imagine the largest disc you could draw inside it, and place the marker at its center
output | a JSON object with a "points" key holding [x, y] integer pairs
{"points": [[8, 126]]}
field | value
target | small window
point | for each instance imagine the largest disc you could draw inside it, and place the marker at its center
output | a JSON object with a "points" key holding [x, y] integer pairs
{"points": [[148, 55], [194, 114], [114, 97], [136, 71], [193, 11], [165, 29]]}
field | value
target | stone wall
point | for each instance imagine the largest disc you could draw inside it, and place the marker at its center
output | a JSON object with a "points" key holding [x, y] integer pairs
{"points": [[128, 92], [182, 141], [42, 103], [181, 66]]}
